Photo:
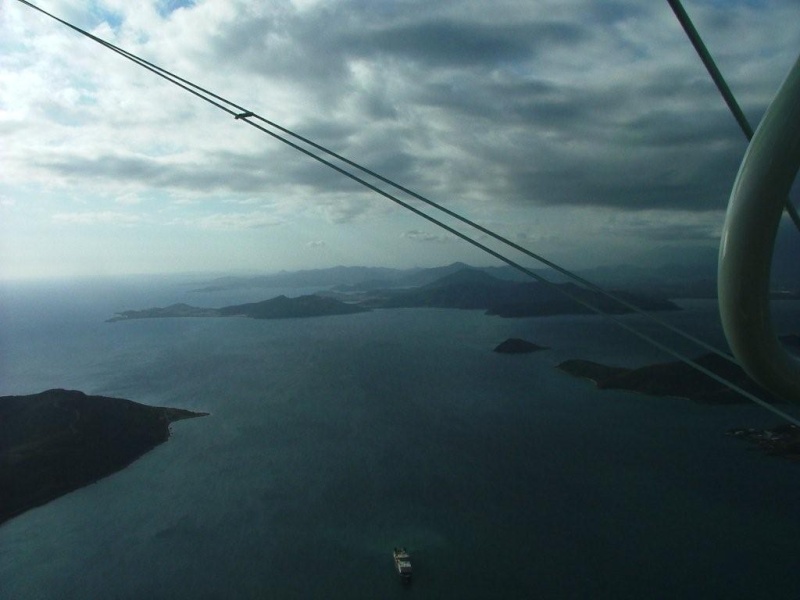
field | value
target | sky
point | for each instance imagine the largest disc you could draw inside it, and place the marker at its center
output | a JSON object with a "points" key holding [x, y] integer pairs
{"points": [[589, 132]]}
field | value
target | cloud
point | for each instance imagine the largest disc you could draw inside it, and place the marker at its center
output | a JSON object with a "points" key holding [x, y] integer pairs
{"points": [[455, 42], [495, 108], [237, 221], [97, 218], [152, 172], [667, 226], [316, 244], [128, 199], [556, 104], [423, 236]]}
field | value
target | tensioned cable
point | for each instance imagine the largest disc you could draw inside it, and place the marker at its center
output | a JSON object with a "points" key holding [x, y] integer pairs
{"points": [[722, 86], [244, 115]]}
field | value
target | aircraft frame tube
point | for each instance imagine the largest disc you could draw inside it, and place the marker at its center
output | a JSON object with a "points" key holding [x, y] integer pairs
{"points": [[756, 204]]}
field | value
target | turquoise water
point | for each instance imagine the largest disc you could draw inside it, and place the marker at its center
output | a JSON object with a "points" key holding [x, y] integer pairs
{"points": [[333, 440]]}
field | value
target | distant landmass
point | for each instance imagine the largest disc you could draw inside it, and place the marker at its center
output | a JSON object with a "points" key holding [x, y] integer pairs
{"points": [[57, 441], [462, 288], [285, 308], [469, 288], [672, 379], [343, 279], [280, 307], [679, 280], [174, 310]]}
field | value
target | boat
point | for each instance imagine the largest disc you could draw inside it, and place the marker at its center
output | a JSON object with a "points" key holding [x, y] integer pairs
{"points": [[402, 562]]}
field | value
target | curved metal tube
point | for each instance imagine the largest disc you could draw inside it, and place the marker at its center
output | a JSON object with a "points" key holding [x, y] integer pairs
{"points": [[754, 211]]}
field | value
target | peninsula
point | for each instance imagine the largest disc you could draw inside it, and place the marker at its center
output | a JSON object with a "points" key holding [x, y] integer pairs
{"points": [[279, 307], [672, 379], [57, 441], [680, 380]]}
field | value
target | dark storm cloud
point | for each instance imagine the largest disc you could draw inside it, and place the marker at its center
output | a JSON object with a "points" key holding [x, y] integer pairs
{"points": [[462, 44], [329, 35], [578, 103], [655, 231], [201, 177], [489, 88]]}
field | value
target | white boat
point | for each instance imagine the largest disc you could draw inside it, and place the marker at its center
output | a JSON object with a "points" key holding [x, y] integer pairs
{"points": [[402, 562]]}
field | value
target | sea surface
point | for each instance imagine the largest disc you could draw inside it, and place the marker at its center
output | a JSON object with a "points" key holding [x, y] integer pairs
{"points": [[331, 440]]}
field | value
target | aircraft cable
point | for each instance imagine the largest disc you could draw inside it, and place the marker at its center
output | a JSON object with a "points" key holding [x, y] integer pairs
{"points": [[242, 114], [722, 86]]}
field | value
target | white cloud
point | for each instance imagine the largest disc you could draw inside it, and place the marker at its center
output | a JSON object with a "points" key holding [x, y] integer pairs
{"points": [[237, 221], [97, 218], [129, 199], [423, 236]]}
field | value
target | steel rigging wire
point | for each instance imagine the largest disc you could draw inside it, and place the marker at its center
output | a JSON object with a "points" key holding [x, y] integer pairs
{"points": [[245, 115], [722, 86]]}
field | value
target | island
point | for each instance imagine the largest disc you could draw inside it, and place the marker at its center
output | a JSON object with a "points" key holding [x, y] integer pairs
{"points": [[282, 307], [59, 440], [518, 346], [279, 307]]}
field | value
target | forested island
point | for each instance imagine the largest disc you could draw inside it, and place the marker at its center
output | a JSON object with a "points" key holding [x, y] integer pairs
{"points": [[57, 441]]}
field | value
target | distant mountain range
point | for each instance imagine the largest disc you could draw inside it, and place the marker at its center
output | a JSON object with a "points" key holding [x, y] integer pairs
{"points": [[667, 281], [469, 288], [454, 286], [345, 279]]}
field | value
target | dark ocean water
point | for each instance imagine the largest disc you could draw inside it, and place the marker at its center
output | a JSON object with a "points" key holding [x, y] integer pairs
{"points": [[332, 440]]}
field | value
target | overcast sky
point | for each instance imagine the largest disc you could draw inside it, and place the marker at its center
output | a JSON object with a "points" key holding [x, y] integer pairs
{"points": [[586, 130]]}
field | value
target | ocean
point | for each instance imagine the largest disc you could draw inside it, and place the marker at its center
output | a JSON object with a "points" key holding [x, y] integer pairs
{"points": [[332, 440]]}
